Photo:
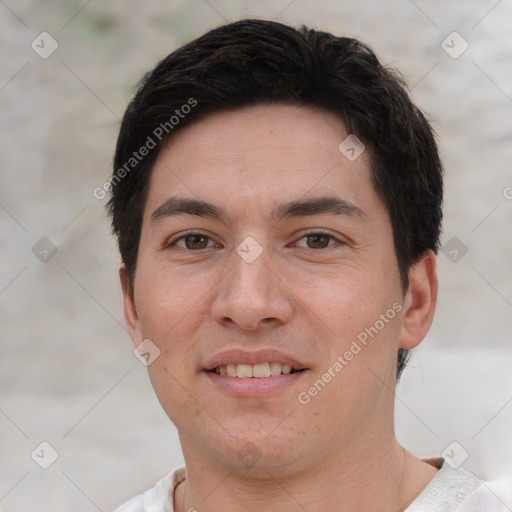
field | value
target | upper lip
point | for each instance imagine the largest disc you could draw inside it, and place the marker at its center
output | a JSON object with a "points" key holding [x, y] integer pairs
{"points": [[239, 356]]}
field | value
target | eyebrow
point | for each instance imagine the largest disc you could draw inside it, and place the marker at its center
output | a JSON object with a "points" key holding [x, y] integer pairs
{"points": [[301, 208]]}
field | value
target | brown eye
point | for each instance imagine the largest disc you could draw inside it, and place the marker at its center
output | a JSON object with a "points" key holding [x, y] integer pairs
{"points": [[196, 241], [191, 242], [318, 241]]}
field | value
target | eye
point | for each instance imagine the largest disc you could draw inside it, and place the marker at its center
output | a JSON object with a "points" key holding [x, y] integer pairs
{"points": [[191, 241], [319, 240]]}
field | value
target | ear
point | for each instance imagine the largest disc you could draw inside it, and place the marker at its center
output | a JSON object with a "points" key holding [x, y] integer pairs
{"points": [[420, 301], [130, 311]]}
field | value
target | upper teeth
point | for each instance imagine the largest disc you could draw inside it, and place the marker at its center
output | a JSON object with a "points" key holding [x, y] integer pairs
{"points": [[253, 370]]}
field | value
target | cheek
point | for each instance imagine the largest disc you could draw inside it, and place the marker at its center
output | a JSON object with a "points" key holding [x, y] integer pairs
{"points": [[354, 384], [343, 301], [169, 315], [356, 315], [165, 301]]}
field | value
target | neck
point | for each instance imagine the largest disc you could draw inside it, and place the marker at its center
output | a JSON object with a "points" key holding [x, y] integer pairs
{"points": [[385, 477]]}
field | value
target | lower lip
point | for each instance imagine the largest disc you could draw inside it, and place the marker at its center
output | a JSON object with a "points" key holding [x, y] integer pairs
{"points": [[253, 386]]}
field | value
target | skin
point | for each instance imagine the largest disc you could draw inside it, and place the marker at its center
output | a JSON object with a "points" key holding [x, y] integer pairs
{"points": [[308, 299]]}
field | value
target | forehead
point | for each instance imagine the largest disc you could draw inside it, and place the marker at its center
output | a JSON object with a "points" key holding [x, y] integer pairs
{"points": [[253, 157]]}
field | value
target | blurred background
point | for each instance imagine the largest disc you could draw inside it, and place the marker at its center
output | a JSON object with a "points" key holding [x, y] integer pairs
{"points": [[68, 377]]}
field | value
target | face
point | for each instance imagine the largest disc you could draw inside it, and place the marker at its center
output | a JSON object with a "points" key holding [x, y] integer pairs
{"points": [[263, 247]]}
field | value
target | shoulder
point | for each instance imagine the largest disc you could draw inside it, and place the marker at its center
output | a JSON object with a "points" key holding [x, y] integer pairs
{"points": [[159, 498], [456, 489], [484, 500]]}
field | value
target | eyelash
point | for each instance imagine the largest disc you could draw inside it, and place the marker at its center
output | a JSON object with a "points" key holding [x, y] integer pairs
{"points": [[172, 243]]}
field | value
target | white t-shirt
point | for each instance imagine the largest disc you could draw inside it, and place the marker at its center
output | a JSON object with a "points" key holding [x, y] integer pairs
{"points": [[451, 490]]}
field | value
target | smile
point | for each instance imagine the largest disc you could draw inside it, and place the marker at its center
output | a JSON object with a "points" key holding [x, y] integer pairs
{"points": [[260, 371]]}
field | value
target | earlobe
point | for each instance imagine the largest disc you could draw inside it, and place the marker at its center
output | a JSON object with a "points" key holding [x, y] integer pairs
{"points": [[420, 301], [130, 311]]}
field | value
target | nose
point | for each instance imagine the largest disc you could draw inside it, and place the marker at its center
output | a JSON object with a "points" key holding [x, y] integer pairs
{"points": [[252, 295]]}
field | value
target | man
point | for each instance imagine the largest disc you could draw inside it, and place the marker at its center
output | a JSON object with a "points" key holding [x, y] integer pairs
{"points": [[277, 202]]}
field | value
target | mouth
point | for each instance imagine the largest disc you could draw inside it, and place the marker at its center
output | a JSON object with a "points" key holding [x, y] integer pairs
{"points": [[258, 371], [243, 373]]}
